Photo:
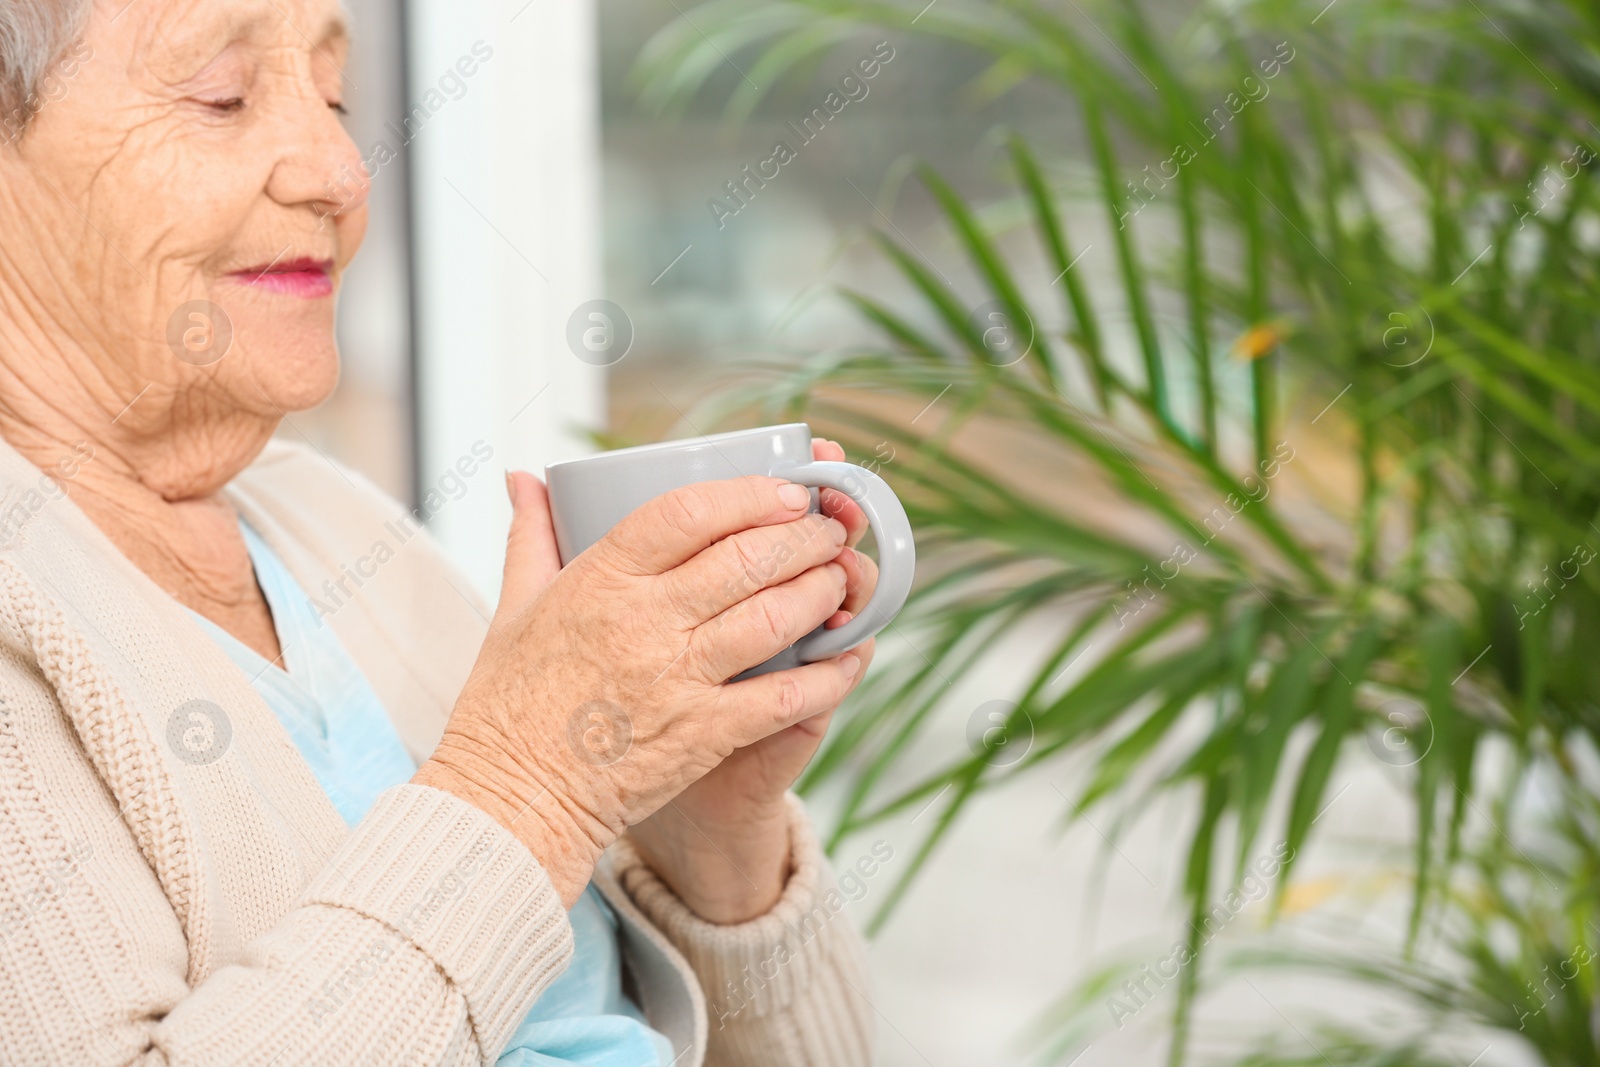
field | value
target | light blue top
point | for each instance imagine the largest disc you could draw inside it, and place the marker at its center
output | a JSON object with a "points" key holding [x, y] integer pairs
{"points": [[342, 730]]}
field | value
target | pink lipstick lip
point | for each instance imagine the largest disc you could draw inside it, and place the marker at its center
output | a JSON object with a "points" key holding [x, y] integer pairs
{"points": [[305, 277]]}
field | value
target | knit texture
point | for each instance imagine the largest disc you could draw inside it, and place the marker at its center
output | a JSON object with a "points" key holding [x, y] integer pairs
{"points": [[790, 986], [175, 888]]}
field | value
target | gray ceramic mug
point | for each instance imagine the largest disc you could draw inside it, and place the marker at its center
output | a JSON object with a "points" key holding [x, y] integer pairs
{"points": [[591, 495]]}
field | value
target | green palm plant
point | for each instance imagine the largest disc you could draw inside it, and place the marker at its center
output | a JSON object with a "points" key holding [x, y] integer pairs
{"points": [[1514, 960], [1521, 966], [1399, 239]]}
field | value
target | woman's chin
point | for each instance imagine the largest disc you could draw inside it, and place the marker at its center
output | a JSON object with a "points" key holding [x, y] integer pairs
{"points": [[291, 377], [290, 358]]}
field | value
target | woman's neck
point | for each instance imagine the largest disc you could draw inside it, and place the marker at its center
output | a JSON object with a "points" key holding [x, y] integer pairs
{"points": [[159, 501]]}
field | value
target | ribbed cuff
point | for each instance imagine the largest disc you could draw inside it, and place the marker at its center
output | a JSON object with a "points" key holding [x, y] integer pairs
{"points": [[463, 890], [756, 967]]}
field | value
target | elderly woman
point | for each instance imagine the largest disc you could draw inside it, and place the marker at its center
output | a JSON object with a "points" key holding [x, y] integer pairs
{"points": [[235, 828]]}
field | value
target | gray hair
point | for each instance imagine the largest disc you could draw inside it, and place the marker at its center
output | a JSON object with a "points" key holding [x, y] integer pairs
{"points": [[33, 35]]}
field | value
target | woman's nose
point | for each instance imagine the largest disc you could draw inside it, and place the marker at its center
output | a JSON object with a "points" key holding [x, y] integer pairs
{"points": [[319, 165]]}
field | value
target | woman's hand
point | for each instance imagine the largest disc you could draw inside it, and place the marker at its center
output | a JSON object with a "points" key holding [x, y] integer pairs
{"points": [[600, 692], [723, 844]]}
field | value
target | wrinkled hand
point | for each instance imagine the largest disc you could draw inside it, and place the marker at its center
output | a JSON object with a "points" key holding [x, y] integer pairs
{"points": [[723, 844], [601, 690]]}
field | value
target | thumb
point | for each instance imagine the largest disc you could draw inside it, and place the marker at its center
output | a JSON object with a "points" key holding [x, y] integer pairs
{"points": [[531, 558]]}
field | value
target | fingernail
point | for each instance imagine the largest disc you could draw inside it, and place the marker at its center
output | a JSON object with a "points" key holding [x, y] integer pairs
{"points": [[511, 489], [836, 528], [794, 497], [849, 664]]}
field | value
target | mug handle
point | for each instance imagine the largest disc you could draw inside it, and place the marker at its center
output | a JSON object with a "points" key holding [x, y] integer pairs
{"points": [[897, 553]]}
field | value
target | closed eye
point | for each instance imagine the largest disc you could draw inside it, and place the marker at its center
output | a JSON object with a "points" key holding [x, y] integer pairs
{"points": [[226, 107]]}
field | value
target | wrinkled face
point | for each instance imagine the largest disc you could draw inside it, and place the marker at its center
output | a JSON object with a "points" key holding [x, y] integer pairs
{"points": [[182, 208]]}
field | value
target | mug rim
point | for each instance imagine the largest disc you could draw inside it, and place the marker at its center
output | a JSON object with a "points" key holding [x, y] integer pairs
{"points": [[682, 442]]}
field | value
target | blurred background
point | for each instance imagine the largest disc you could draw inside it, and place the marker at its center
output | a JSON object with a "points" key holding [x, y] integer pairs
{"points": [[1236, 364]]}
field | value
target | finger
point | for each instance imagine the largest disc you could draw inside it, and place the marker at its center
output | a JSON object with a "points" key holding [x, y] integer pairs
{"points": [[755, 630], [742, 565], [861, 578], [835, 503], [826, 450], [673, 527], [531, 557], [759, 707], [863, 652], [815, 727], [838, 506]]}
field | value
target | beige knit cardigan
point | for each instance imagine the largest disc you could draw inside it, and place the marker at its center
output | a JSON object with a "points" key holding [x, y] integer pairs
{"points": [[164, 901]]}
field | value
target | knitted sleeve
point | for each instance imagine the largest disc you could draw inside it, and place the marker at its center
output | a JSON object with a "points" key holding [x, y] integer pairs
{"points": [[423, 941], [787, 989]]}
